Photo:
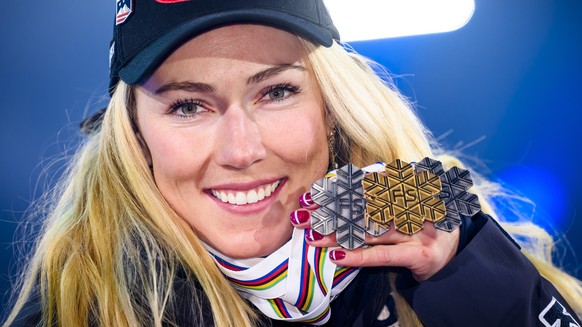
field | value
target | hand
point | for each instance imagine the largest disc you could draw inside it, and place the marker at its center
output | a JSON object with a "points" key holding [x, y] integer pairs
{"points": [[423, 253]]}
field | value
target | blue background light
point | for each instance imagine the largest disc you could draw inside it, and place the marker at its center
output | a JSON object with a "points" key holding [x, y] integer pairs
{"points": [[546, 190], [512, 78]]}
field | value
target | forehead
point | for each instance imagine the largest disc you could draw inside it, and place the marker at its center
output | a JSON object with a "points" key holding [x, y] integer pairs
{"points": [[245, 42]]}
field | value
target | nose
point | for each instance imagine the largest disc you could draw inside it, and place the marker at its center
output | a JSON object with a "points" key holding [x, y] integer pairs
{"points": [[239, 140]]}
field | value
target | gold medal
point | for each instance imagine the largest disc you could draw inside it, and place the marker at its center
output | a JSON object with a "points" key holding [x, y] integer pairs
{"points": [[403, 196]]}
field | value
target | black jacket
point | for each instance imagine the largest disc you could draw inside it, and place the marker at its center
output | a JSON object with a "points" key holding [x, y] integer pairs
{"points": [[488, 283]]}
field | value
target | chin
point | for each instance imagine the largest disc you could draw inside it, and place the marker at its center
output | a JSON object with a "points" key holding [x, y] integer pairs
{"points": [[260, 243]]}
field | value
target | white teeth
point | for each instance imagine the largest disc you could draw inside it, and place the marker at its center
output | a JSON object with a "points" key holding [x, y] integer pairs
{"points": [[261, 194], [252, 196], [241, 198]]}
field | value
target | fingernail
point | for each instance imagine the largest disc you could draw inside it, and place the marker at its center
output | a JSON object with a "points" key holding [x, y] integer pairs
{"points": [[337, 255], [299, 216], [312, 236], [305, 200]]}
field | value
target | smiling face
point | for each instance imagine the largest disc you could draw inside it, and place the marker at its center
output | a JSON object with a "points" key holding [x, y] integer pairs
{"points": [[235, 128]]}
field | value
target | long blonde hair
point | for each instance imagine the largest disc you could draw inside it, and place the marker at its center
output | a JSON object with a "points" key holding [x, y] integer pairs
{"points": [[376, 123], [110, 228]]}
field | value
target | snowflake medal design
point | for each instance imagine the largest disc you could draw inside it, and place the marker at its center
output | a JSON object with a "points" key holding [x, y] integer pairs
{"points": [[455, 183], [341, 206], [401, 195]]}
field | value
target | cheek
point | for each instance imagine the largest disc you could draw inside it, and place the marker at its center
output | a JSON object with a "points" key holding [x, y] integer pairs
{"points": [[300, 140], [172, 156]]}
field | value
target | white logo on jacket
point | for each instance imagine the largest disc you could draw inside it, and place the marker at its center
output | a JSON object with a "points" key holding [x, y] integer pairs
{"points": [[555, 315]]}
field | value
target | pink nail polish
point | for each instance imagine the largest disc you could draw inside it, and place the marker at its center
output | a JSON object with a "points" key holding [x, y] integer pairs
{"points": [[312, 236], [299, 216], [337, 255], [305, 200]]}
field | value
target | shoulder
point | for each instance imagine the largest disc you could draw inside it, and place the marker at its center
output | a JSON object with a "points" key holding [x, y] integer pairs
{"points": [[189, 305]]}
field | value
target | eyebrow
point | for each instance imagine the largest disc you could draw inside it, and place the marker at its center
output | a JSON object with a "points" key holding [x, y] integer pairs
{"points": [[207, 88], [272, 71], [186, 86]]}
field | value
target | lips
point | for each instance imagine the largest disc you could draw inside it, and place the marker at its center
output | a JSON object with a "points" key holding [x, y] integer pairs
{"points": [[240, 197]]}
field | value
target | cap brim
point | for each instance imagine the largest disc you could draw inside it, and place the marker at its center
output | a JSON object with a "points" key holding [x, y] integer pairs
{"points": [[145, 62]]}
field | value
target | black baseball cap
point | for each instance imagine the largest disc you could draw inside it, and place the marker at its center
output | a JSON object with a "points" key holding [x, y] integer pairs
{"points": [[146, 32]]}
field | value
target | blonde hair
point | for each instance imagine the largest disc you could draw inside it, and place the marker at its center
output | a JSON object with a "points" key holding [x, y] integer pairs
{"points": [[111, 229], [375, 123]]}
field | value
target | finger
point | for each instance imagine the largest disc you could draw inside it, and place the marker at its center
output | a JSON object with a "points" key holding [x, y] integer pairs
{"points": [[300, 218], [443, 243], [316, 239], [393, 236], [421, 261], [307, 202], [401, 255]]}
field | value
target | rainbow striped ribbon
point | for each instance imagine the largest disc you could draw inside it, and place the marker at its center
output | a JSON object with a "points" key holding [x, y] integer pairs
{"points": [[291, 284]]}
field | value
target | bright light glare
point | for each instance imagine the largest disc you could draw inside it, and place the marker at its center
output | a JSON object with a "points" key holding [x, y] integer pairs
{"points": [[378, 19]]}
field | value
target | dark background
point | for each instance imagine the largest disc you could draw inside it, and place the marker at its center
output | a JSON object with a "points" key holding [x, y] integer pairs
{"points": [[505, 89]]}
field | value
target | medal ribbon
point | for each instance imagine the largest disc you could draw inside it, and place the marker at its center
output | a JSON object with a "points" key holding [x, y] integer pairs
{"points": [[295, 283]]}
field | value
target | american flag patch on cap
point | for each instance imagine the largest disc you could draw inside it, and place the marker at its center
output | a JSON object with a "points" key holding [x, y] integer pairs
{"points": [[124, 9]]}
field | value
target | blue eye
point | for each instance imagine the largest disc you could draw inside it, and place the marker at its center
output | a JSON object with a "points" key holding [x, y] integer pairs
{"points": [[277, 94], [188, 107], [280, 92]]}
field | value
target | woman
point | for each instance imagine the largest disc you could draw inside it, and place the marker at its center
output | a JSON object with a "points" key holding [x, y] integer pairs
{"points": [[221, 117]]}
